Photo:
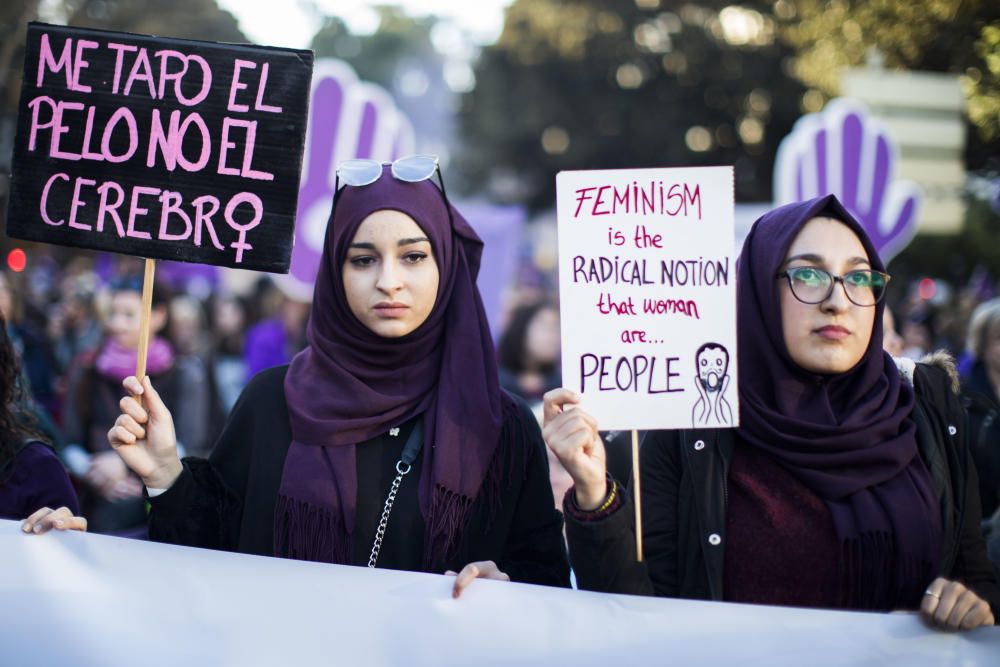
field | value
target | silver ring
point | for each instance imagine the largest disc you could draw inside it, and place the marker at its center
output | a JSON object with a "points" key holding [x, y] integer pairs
{"points": [[932, 594]]}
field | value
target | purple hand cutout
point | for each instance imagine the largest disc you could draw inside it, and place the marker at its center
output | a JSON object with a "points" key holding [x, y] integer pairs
{"points": [[846, 152], [348, 118]]}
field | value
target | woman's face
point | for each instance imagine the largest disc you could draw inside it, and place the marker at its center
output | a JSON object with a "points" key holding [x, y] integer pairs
{"points": [[542, 342], [229, 317], [390, 274], [124, 318], [832, 336]]}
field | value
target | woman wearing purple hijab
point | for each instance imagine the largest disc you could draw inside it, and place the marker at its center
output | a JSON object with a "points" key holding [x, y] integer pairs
{"points": [[388, 440], [848, 483]]}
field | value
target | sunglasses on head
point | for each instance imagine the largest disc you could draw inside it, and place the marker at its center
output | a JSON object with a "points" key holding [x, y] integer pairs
{"points": [[410, 169]]}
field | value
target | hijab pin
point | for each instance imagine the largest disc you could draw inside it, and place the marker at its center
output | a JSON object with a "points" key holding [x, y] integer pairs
{"points": [[394, 432]]}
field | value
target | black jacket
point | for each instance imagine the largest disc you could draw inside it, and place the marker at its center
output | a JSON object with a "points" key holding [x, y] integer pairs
{"points": [[227, 502], [684, 479]]}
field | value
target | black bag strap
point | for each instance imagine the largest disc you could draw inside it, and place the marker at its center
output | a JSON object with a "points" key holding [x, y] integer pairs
{"points": [[413, 443]]}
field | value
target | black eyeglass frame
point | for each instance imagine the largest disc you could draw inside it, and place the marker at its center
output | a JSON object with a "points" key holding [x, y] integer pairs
{"points": [[834, 279]]}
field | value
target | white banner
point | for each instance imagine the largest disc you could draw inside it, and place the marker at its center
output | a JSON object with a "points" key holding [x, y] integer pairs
{"points": [[647, 290], [81, 600]]}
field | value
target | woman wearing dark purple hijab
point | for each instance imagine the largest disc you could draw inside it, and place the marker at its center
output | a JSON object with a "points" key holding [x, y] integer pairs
{"points": [[848, 483], [388, 440]]}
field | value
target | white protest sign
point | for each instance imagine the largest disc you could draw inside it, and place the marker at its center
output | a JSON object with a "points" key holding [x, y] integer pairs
{"points": [[91, 600], [647, 289]]}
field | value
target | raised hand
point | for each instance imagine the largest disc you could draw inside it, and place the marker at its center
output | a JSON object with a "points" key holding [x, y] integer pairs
{"points": [[572, 436], [846, 152], [143, 435]]}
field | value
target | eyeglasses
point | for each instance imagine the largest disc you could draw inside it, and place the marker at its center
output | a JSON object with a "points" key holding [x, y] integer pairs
{"points": [[812, 285]]}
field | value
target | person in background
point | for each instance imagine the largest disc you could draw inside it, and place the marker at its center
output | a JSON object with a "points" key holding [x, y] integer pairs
{"points": [[276, 339], [187, 336], [528, 352], [187, 326], [111, 495], [32, 479], [892, 342], [226, 364], [847, 484], [73, 324], [981, 398], [36, 363], [918, 334]]}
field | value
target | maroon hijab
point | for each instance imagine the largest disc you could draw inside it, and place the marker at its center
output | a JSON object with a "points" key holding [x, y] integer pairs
{"points": [[350, 385], [848, 437]]}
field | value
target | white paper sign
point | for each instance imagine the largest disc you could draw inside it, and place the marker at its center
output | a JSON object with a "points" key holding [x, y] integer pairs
{"points": [[96, 601], [647, 282]]}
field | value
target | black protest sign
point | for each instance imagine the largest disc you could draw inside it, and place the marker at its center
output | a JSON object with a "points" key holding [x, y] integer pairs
{"points": [[158, 147]]}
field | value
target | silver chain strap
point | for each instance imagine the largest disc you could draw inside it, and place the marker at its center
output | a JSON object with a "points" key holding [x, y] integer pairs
{"points": [[401, 470]]}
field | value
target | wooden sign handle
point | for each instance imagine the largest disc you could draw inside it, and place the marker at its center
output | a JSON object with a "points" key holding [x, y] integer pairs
{"points": [[147, 309], [637, 495]]}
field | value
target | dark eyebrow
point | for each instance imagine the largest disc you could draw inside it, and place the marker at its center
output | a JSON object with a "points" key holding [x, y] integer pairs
{"points": [[420, 239], [816, 259], [402, 242]]}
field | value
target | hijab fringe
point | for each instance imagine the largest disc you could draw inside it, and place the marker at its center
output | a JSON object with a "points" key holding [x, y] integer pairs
{"points": [[875, 577], [450, 512], [304, 531]]}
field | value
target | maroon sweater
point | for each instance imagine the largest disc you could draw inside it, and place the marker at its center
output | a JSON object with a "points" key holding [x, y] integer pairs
{"points": [[782, 544]]}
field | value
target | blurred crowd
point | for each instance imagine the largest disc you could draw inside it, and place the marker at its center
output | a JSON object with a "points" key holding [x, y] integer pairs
{"points": [[75, 326]]}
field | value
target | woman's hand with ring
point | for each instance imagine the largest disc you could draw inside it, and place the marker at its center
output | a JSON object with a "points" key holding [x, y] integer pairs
{"points": [[951, 606]]}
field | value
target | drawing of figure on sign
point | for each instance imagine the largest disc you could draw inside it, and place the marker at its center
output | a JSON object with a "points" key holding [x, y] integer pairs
{"points": [[712, 381]]}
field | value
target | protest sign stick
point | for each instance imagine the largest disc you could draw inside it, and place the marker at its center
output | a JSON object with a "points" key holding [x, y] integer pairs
{"points": [[147, 309], [636, 496]]}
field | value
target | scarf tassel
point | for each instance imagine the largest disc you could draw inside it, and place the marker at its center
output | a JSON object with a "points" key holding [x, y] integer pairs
{"points": [[449, 512], [304, 531], [876, 579]]}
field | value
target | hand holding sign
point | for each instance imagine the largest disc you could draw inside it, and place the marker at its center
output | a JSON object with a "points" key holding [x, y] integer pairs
{"points": [[572, 436], [645, 258], [160, 148], [144, 437]]}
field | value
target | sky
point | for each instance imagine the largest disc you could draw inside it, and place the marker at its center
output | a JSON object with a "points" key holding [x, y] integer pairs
{"points": [[292, 24]]}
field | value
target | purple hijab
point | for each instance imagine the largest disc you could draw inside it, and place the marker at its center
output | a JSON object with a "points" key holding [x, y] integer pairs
{"points": [[350, 385], [848, 437]]}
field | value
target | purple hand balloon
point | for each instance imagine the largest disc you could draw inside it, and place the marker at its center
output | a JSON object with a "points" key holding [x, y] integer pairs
{"points": [[848, 153], [348, 118]]}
